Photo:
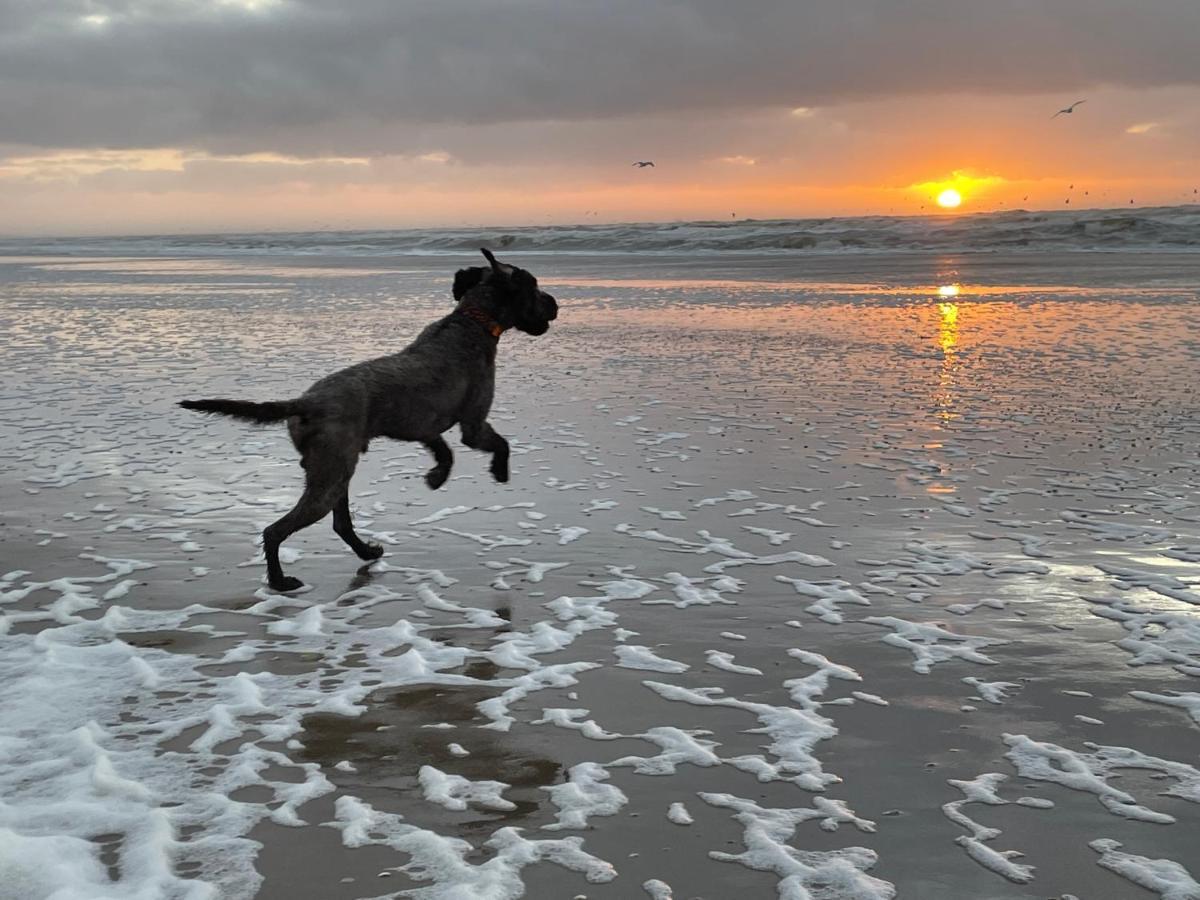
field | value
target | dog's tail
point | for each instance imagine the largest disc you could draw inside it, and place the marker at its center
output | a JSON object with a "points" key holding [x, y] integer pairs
{"points": [[246, 410]]}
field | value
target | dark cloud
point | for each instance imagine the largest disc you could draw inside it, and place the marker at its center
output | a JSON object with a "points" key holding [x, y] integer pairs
{"points": [[377, 76]]}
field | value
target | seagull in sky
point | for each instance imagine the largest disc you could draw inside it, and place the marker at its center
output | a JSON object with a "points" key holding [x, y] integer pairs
{"points": [[1070, 109], [641, 164]]}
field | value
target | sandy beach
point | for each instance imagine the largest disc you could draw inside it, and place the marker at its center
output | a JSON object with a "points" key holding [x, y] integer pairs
{"points": [[829, 576]]}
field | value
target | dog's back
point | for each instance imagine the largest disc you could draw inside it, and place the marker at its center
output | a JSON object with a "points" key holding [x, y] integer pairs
{"points": [[412, 395]]}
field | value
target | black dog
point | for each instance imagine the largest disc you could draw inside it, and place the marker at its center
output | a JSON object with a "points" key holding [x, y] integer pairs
{"points": [[446, 376]]}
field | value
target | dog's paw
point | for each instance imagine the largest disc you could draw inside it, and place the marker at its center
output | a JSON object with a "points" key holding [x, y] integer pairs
{"points": [[370, 551], [286, 583], [500, 472], [435, 478]]}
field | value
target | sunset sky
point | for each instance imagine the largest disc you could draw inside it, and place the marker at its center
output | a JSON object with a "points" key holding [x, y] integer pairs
{"points": [[129, 116]]}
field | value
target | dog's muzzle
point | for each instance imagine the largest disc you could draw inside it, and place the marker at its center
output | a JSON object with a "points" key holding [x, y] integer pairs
{"points": [[550, 305]]}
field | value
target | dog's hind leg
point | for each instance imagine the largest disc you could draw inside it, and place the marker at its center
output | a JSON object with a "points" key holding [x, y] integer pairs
{"points": [[327, 477], [343, 526], [481, 436], [443, 460], [310, 508]]}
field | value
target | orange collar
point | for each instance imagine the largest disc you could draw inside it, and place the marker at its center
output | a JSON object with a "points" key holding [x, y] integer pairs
{"points": [[494, 328]]}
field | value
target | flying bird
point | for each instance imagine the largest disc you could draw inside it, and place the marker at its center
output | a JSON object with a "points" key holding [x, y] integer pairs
{"points": [[1070, 109], [641, 164]]}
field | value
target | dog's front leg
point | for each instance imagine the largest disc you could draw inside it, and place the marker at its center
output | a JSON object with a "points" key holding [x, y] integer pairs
{"points": [[481, 436], [443, 460]]}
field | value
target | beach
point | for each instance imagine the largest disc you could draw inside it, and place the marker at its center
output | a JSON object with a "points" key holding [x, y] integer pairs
{"points": [[821, 573]]}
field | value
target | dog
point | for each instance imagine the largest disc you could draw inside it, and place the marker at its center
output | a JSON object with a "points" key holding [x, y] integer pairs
{"points": [[446, 376]]}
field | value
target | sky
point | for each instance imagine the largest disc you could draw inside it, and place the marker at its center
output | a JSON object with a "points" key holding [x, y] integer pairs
{"points": [[151, 116]]}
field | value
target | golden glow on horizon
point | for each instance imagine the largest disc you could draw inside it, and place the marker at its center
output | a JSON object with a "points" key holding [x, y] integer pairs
{"points": [[172, 190], [949, 192], [949, 198], [948, 290]]}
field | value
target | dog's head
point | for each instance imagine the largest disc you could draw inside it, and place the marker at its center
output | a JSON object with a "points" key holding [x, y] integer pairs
{"points": [[520, 302]]}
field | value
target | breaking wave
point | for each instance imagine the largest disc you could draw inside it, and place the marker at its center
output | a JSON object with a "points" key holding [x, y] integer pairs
{"points": [[1161, 228]]}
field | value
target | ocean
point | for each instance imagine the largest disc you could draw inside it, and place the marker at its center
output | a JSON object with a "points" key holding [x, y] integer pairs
{"points": [[1142, 229]]}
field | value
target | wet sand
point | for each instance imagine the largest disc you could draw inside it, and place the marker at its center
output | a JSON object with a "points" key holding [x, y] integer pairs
{"points": [[864, 479]]}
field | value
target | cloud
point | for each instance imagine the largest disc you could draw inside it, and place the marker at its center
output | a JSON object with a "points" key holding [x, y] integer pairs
{"points": [[1142, 127], [82, 165], [373, 76]]}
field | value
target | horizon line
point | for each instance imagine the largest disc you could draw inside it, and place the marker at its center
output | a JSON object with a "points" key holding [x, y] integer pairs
{"points": [[271, 229]]}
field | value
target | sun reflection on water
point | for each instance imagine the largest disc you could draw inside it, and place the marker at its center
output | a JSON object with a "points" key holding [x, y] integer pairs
{"points": [[947, 338], [945, 393], [948, 327]]}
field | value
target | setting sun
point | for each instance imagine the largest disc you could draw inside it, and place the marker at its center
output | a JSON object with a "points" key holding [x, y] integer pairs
{"points": [[949, 198]]}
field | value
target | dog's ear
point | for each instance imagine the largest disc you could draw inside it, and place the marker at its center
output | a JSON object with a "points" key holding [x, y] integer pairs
{"points": [[465, 279], [503, 270]]}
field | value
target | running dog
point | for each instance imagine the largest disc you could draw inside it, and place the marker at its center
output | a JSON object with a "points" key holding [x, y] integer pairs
{"points": [[445, 377]]}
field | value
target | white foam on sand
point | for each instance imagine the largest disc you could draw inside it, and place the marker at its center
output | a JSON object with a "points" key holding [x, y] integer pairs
{"points": [[992, 691], [1090, 771], [817, 874], [665, 514], [568, 534], [930, 643], [68, 778], [794, 730], [718, 659], [570, 718], [635, 656], [678, 814], [533, 572], [774, 538], [698, 591], [66, 782], [677, 748], [1167, 878], [489, 542], [441, 514], [829, 597], [585, 793], [723, 547], [1154, 636], [456, 792], [983, 789], [444, 860]]}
